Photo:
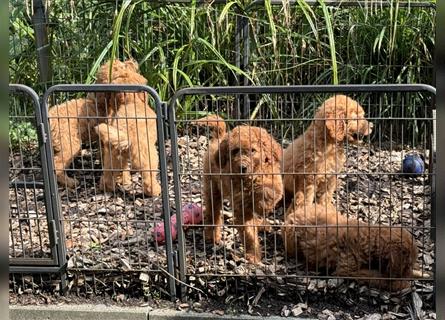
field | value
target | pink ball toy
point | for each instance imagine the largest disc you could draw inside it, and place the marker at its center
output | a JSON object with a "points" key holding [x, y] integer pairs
{"points": [[191, 214]]}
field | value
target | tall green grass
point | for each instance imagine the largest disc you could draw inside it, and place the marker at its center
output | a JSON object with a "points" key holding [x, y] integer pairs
{"points": [[192, 44]]}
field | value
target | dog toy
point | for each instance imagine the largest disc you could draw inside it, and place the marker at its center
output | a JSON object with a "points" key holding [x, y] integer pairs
{"points": [[191, 214], [413, 164]]}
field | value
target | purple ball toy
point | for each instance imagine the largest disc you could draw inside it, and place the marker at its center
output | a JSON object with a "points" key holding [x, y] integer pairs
{"points": [[413, 165]]}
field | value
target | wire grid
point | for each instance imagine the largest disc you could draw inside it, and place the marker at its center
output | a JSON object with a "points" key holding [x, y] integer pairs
{"points": [[29, 207], [302, 50], [162, 41], [22, 284], [108, 233], [370, 189]]}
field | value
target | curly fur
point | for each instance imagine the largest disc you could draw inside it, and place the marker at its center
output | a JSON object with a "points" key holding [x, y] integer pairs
{"points": [[131, 134], [71, 124], [126, 72], [243, 166], [320, 150], [349, 247]]}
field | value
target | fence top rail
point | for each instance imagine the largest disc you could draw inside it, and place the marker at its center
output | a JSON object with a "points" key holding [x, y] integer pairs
{"points": [[14, 87], [305, 89], [358, 3], [101, 88], [187, 1], [337, 3]]}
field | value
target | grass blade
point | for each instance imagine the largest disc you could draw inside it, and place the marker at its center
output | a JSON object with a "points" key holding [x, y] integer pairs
{"points": [[330, 30], [116, 30], [273, 29], [97, 63]]}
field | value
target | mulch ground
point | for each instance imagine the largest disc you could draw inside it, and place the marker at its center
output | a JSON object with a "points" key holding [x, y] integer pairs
{"points": [[112, 257]]}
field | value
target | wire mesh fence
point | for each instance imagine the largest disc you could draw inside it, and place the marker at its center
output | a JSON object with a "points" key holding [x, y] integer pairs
{"points": [[175, 43], [368, 209], [33, 220], [110, 190], [134, 195], [242, 219], [179, 44]]}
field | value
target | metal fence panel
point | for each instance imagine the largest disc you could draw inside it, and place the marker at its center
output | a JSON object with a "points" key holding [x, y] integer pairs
{"points": [[34, 230], [110, 166], [370, 191]]}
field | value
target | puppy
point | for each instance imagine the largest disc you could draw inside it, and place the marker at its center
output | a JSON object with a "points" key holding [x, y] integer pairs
{"points": [[325, 238], [122, 72], [131, 134], [72, 122], [311, 162], [243, 166]]}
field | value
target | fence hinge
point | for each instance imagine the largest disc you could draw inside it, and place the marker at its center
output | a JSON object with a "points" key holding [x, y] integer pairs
{"points": [[175, 260], [54, 236], [42, 132], [164, 108]]}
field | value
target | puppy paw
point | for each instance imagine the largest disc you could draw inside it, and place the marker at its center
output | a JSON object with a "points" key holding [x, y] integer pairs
{"points": [[123, 145], [126, 179], [264, 226], [253, 258], [70, 183], [152, 190], [268, 198]]}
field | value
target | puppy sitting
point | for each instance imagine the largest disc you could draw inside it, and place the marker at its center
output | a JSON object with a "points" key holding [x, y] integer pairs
{"points": [[131, 134], [325, 238], [243, 166], [311, 162]]}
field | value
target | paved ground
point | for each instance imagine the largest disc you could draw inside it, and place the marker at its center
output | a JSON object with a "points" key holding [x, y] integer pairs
{"points": [[103, 312]]}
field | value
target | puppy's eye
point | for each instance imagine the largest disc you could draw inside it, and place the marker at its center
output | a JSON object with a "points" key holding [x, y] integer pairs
{"points": [[253, 150], [235, 151]]}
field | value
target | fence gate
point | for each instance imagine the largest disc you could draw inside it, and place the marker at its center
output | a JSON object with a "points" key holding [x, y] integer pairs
{"points": [[35, 238], [112, 183], [370, 190]]}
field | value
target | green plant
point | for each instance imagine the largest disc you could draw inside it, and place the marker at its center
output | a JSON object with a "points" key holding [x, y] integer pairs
{"points": [[192, 44], [22, 136]]}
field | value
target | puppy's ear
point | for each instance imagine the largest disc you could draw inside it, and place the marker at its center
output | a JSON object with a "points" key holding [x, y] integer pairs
{"points": [[336, 122], [273, 150], [222, 153], [132, 64]]}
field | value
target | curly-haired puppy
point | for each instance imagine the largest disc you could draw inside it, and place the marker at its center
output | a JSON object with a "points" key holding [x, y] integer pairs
{"points": [[311, 162], [131, 134], [243, 166], [326, 239], [72, 122], [122, 72]]}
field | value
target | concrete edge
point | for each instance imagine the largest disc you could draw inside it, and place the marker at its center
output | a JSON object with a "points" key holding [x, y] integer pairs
{"points": [[168, 314], [77, 312], [104, 312]]}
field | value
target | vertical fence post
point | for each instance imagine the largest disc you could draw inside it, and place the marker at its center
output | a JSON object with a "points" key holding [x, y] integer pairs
{"points": [[238, 35], [432, 172], [242, 43], [39, 22], [56, 212], [246, 54], [181, 254], [161, 126]]}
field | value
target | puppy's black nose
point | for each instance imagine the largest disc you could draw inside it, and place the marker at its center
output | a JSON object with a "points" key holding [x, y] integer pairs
{"points": [[243, 169]]}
